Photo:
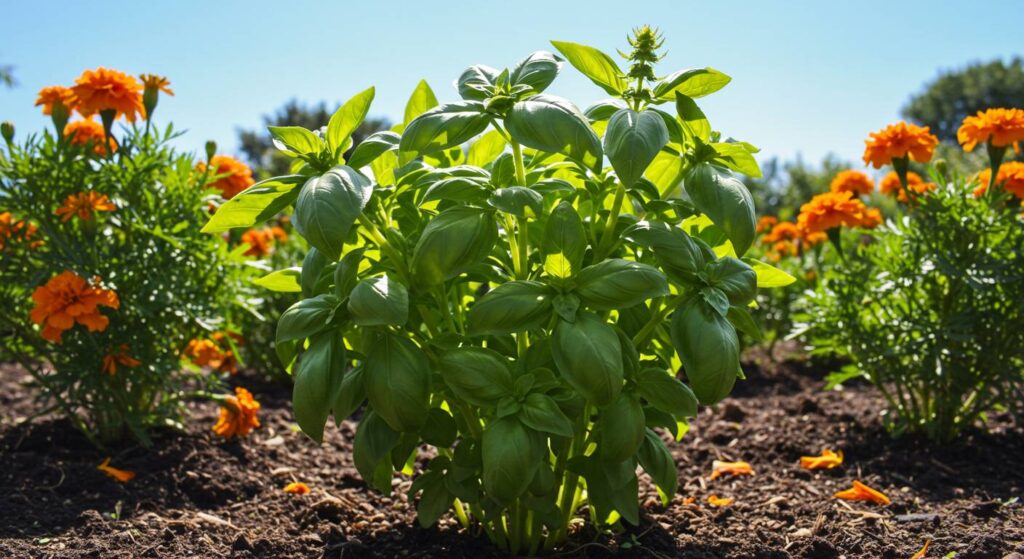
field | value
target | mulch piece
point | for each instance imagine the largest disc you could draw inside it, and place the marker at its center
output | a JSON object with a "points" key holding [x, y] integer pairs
{"points": [[196, 495]]}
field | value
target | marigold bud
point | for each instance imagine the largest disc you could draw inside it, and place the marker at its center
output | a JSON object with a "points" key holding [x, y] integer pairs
{"points": [[7, 130], [211, 149]]}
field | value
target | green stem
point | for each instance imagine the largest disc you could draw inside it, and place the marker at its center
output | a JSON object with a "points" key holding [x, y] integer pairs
{"points": [[609, 225], [517, 158], [656, 320]]}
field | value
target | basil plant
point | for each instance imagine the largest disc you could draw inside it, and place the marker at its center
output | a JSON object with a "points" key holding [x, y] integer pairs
{"points": [[521, 305]]}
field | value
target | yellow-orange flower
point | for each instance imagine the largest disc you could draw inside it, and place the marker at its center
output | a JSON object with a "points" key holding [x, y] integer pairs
{"points": [[260, 240], [153, 81], [117, 357], [296, 488], [719, 468], [897, 141], [1010, 176], [766, 223], [861, 492], [890, 185], [104, 89], [124, 476], [237, 415], [998, 127], [52, 94], [68, 299], [237, 176], [834, 209], [853, 181], [826, 461], [716, 501], [16, 230], [84, 204], [84, 132], [207, 353]]}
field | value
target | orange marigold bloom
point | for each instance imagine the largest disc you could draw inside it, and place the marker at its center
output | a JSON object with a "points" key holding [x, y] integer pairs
{"points": [[237, 415], [766, 223], [834, 209], [124, 476], [861, 492], [237, 176], [890, 185], [153, 81], [719, 468], [998, 127], [207, 353], [716, 501], [19, 230], [853, 181], [104, 89], [260, 240], [66, 299], [1010, 176], [84, 204], [118, 357], [783, 231], [826, 461], [84, 132], [897, 141], [52, 94], [296, 488]]}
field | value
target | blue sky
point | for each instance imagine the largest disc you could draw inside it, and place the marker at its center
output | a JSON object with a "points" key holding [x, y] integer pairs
{"points": [[809, 78]]}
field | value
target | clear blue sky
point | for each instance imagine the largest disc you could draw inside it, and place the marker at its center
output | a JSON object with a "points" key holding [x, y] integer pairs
{"points": [[809, 78]]}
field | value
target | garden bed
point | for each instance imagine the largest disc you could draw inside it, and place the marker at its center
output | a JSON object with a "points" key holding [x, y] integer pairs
{"points": [[196, 495]]}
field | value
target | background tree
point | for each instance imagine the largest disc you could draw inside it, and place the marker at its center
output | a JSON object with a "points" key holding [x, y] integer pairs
{"points": [[944, 102], [267, 161], [7, 75]]}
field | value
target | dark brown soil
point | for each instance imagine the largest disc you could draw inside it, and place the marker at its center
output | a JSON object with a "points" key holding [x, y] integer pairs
{"points": [[198, 496]]}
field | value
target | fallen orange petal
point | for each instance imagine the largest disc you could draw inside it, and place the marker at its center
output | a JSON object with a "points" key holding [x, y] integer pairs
{"points": [[123, 476], [826, 461], [861, 492], [689, 500], [297, 488], [716, 501], [719, 468], [920, 554]]}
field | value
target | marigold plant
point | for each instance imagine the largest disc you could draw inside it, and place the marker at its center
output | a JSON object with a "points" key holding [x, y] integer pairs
{"points": [[525, 306]]}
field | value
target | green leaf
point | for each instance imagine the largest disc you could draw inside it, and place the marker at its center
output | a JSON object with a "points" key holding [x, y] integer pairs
{"points": [[295, 140], [540, 412], [622, 429], [485, 149], [511, 455], [435, 500], [439, 429], [716, 299], [373, 147], [680, 255], [665, 172], [554, 125], [346, 272], [443, 127], [318, 376], [421, 101], [693, 118], [603, 110], [725, 200], [347, 118], [256, 204], [452, 243], [738, 157], [349, 396], [379, 301], [741, 319], [657, 461], [477, 375], [328, 205], [617, 284], [282, 281], [709, 349], [457, 189], [611, 487], [694, 83], [477, 82], [666, 392], [734, 277], [536, 71], [398, 382], [305, 318], [594, 64], [589, 357], [631, 142], [519, 201], [515, 306], [371, 451], [769, 276], [313, 265], [565, 242]]}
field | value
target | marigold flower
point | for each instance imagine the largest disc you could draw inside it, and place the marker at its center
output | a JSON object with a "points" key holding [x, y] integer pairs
{"points": [[782, 231], [52, 94], [1010, 177], [891, 185], [237, 415], [716, 501], [898, 141], [826, 461], [153, 81], [207, 353], [998, 127], [104, 89], [260, 240], [296, 488], [84, 132], [834, 209], [766, 223], [84, 204], [124, 476], [12, 230], [68, 299], [719, 468], [924, 550], [118, 357], [853, 181], [237, 175], [861, 492]]}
